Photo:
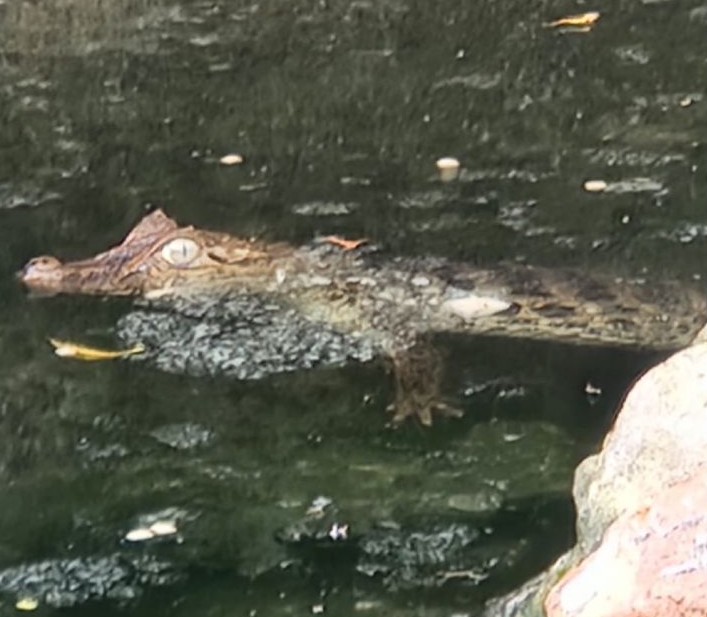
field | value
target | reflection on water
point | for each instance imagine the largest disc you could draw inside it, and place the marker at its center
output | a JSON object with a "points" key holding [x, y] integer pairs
{"points": [[340, 110], [68, 27]]}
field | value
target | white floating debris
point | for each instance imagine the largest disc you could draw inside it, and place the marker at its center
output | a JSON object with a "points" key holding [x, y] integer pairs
{"points": [[163, 528], [339, 532], [140, 534], [448, 168], [231, 159], [595, 186], [317, 609], [593, 392], [473, 306], [591, 389]]}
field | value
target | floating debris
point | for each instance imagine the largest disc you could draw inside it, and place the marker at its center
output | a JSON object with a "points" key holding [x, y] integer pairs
{"points": [[27, 604], [163, 528], [579, 21], [592, 392], [595, 186], [67, 349], [339, 532], [231, 159], [157, 529], [448, 168], [140, 534], [591, 389]]}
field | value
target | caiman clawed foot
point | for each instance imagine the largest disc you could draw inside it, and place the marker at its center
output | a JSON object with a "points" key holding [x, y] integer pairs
{"points": [[418, 374]]}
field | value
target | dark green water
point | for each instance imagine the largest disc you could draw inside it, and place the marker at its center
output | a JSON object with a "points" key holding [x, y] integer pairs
{"points": [[106, 109]]}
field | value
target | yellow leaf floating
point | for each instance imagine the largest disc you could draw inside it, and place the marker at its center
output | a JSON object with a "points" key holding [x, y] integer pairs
{"points": [[27, 604], [66, 349], [582, 20]]}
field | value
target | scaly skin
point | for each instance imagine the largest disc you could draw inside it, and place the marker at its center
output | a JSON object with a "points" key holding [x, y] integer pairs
{"points": [[395, 302]]}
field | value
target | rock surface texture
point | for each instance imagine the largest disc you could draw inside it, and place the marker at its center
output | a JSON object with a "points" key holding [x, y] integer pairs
{"points": [[642, 503], [652, 562]]}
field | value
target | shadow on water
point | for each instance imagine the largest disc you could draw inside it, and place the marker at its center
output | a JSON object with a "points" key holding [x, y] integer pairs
{"points": [[292, 493]]}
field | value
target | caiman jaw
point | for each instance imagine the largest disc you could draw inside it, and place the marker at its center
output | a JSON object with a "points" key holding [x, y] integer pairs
{"points": [[48, 276]]}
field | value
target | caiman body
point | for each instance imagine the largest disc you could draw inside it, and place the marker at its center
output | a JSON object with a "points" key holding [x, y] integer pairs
{"points": [[218, 303]]}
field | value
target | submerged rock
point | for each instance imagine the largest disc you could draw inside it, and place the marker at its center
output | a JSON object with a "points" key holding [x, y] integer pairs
{"points": [[63, 583]]}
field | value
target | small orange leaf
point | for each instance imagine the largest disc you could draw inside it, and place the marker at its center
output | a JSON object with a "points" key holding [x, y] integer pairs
{"points": [[581, 20], [66, 349], [346, 245]]}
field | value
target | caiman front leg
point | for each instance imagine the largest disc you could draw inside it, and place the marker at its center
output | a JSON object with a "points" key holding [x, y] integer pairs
{"points": [[418, 375]]}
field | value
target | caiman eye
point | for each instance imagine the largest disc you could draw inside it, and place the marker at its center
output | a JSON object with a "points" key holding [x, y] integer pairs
{"points": [[180, 251]]}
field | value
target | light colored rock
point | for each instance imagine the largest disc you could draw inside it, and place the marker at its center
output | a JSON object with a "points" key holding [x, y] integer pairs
{"points": [[659, 438], [660, 535], [651, 562], [643, 501]]}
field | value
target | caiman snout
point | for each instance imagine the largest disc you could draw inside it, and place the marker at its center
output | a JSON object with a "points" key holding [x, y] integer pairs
{"points": [[155, 257], [42, 274]]}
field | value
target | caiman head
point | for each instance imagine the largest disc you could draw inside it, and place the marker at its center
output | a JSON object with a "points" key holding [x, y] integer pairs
{"points": [[158, 257]]}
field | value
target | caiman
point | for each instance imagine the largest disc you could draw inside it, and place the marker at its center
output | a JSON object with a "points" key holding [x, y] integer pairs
{"points": [[217, 303]]}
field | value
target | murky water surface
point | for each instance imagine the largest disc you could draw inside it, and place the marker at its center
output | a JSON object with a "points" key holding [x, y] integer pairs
{"points": [[156, 494]]}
